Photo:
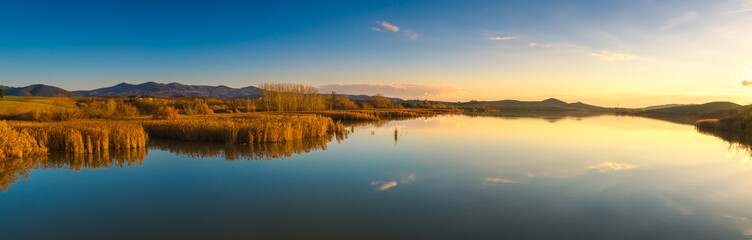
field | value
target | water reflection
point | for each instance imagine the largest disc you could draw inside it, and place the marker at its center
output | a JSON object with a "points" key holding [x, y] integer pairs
{"points": [[584, 177], [738, 143], [13, 170], [549, 116], [258, 151]]}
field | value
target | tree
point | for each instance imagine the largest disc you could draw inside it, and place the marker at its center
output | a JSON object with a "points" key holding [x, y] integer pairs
{"points": [[2, 93], [379, 101]]}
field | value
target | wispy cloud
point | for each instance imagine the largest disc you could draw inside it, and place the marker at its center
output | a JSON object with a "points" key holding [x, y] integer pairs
{"points": [[498, 180], [497, 38], [611, 166], [406, 91], [739, 11], [411, 35], [383, 185], [612, 56], [745, 81], [388, 27], [385, 26], [680, 20]]}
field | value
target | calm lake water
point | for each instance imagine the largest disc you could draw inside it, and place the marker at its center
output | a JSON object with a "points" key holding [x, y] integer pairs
{"points": [[447, 177]]}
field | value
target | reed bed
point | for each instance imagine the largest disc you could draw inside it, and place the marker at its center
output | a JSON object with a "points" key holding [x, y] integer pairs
{"points": [[17, 144], [244, 128], [85, 136], [378, 114]]}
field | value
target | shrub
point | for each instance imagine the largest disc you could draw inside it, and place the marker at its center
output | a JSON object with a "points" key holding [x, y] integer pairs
{"points": [[165, 113]]}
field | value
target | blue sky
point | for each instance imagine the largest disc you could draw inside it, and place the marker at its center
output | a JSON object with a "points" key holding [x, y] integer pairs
{"points": [[606, 52]]}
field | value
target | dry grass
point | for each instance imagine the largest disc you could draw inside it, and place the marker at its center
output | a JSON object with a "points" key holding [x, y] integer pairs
{"points": [[707, 124], [243, 128], [378, 114], [17, 144]]}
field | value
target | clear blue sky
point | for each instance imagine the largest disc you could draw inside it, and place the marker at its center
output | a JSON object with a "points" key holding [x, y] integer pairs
{"points": [[453, 50]]}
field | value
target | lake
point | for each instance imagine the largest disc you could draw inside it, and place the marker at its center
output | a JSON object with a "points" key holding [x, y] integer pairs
{"points": [[446, 177]]}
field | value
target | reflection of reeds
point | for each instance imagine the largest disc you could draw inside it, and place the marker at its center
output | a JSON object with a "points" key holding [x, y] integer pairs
{"points": [[12, 169], [253, 151]]}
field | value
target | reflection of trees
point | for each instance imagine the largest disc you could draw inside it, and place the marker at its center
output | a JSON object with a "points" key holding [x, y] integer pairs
{"points": [[258, 151], [737, 141], [11, 170]]}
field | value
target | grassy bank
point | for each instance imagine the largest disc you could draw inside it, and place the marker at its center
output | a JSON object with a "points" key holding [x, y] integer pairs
{"points": [[737, 120]]}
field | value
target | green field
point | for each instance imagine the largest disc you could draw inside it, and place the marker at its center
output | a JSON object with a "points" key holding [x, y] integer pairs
{"points": [[13, 105]]}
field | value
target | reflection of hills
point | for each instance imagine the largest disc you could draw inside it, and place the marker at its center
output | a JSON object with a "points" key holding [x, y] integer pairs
{"points": [[11, 170], [258, 151], [550, 116]]}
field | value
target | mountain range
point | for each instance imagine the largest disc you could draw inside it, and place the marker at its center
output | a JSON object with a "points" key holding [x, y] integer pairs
{"points": [[177, 89], [173, 90]]}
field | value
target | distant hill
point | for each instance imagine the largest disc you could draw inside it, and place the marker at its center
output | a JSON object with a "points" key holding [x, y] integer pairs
{"points": [[551, 104], [173, 90], [695, 108], [363, 97], [40, 90]]}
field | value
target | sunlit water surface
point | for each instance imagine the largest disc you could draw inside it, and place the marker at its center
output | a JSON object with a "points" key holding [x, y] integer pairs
{"points": [[447, 177]]}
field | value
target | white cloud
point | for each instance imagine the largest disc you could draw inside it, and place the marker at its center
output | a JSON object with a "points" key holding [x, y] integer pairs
{"points": [[404, 91], [497, 38], [533, 44], [680, 20], [612, 56], [385, 26]]}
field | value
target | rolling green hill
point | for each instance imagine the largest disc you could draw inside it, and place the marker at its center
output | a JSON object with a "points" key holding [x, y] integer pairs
{"points": [[696, 109]]}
